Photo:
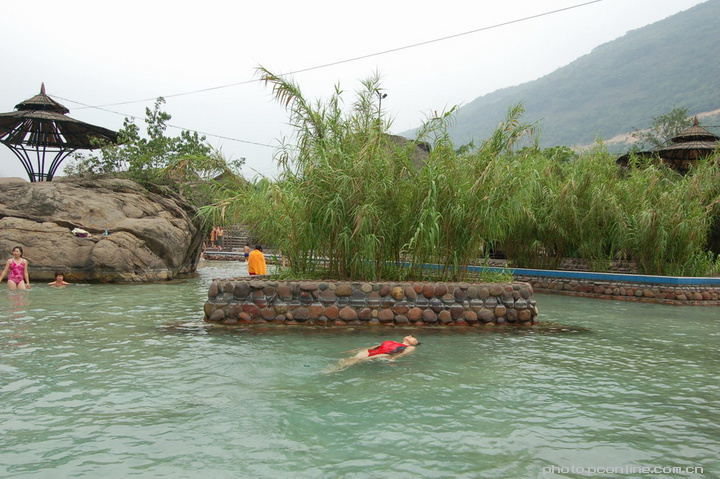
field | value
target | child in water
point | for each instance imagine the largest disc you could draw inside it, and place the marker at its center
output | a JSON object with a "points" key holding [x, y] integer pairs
{"points": [[59, 280]]}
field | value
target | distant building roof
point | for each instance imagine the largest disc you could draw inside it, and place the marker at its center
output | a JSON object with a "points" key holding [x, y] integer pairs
{"points": [[689, 145]]}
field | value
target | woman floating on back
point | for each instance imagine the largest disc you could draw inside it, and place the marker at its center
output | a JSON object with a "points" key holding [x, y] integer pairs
{"points": [[386, 350]]}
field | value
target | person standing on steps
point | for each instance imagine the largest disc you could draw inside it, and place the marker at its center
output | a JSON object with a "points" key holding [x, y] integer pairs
{"points": [[219, 233]]}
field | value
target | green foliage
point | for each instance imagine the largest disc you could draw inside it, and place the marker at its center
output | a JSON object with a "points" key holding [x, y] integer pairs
{"points": [[181, 162], [351, 205], [587, 209], [509, 133], [562, 154], [351, 196], [663, 129]]}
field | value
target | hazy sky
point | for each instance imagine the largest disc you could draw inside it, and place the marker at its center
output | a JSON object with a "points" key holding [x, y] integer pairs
{"points": [[105, 53]]}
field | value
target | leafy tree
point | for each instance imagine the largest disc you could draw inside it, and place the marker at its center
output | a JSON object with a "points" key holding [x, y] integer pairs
{"points": [[181, 162], [563, 154], [466, 148], [663, 129]]}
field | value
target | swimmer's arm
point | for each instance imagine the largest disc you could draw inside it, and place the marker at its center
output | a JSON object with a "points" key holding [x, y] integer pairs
{"points": [[5, 270], [406, 351]]}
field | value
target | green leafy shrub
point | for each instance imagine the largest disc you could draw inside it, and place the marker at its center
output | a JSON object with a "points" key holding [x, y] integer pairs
{"points": [[184, 163]]}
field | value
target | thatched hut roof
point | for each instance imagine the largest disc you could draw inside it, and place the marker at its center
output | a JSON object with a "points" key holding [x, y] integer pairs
{"points": [[695, 133], [40, 121], [689, 145], [41, 125], [42, 102]]}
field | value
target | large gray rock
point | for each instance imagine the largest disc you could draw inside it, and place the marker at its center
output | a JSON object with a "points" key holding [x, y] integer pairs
{"points": [[152, 237], [419, 152]]}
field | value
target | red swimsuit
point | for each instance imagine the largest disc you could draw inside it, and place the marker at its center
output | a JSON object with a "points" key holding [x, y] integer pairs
{"points": [[387, 347]]}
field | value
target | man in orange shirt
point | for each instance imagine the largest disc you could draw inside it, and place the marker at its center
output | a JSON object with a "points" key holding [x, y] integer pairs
{"points": [[256, 261]]}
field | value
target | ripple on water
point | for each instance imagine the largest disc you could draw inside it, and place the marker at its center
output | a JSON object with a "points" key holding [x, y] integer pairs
{"points": [[116, 381]]}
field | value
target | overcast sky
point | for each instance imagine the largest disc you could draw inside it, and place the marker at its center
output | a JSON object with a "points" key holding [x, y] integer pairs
{"points": [[105, 53]]}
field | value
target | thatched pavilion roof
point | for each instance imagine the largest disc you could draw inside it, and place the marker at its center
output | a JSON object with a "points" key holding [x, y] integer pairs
{"points": [[690, 150], [689, 145], [695, 133], [42, 102], [41, 125]]}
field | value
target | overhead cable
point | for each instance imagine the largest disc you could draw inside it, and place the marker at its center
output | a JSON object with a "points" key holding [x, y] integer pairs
{"points": [[369, 55]]}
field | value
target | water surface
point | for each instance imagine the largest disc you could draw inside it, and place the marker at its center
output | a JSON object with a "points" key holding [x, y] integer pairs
{"points": [[118, 381]]}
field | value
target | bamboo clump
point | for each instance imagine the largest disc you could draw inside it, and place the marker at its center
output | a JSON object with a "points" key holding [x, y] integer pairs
{"points": [[357, 201]]}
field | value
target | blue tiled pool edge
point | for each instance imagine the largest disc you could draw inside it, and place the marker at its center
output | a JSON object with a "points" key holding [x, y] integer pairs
{"points": [[593, 276]]}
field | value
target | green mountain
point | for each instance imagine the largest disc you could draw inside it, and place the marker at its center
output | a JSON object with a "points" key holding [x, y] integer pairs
{"points": [[618, 87]]}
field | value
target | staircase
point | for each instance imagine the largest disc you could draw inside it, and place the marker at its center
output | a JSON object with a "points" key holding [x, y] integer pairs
{"points": [[235, 238]]}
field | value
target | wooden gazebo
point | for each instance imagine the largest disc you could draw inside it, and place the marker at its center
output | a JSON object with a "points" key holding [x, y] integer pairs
{"points": [[687, 146], [41, 135]]}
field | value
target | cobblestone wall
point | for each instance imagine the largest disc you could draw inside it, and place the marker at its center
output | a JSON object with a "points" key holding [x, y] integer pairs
{"points": [[693, 295], [256, 301]]}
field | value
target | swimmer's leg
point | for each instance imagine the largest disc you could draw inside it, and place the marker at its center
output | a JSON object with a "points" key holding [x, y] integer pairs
{"points": [[345, 363]]}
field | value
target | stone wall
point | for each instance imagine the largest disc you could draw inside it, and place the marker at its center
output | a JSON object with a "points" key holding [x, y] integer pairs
{"points": [[688, 293], [260, 300]]}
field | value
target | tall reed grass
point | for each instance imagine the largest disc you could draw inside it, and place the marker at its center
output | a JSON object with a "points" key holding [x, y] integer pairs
{"points": [[351, 203]]}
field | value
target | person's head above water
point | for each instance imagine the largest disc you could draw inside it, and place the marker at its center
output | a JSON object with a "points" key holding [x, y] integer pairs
{"points": [[411, 340]]}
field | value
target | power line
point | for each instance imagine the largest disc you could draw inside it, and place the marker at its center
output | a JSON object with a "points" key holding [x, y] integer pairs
{"points": [[318, 67], [449, 37], [369, 55], [171, 126]]}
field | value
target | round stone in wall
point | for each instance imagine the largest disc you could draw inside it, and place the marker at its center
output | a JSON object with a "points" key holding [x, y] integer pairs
{"points": [[343, 289]]}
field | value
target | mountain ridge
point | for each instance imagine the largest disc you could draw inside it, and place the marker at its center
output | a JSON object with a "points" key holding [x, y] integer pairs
{"points": [[614, 89]]}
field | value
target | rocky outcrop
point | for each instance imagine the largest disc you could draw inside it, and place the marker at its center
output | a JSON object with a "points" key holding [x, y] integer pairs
{"points": [[419, 152], [151, 237]]}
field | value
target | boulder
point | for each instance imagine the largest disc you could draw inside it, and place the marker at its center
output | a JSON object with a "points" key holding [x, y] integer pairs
{"points": [[418, 152], [152, 236]]}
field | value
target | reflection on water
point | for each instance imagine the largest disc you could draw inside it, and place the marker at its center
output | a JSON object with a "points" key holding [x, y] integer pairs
{"points": [[126, 380]]}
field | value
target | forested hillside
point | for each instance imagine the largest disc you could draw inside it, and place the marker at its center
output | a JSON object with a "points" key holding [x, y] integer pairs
{"points": [[618, 87]]}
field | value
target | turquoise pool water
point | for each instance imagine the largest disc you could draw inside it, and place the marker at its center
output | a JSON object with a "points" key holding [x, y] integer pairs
{"points": [[118, 381]]}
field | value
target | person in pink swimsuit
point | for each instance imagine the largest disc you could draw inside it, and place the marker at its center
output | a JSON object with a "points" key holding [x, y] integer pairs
{"points": [[18, 267]]}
